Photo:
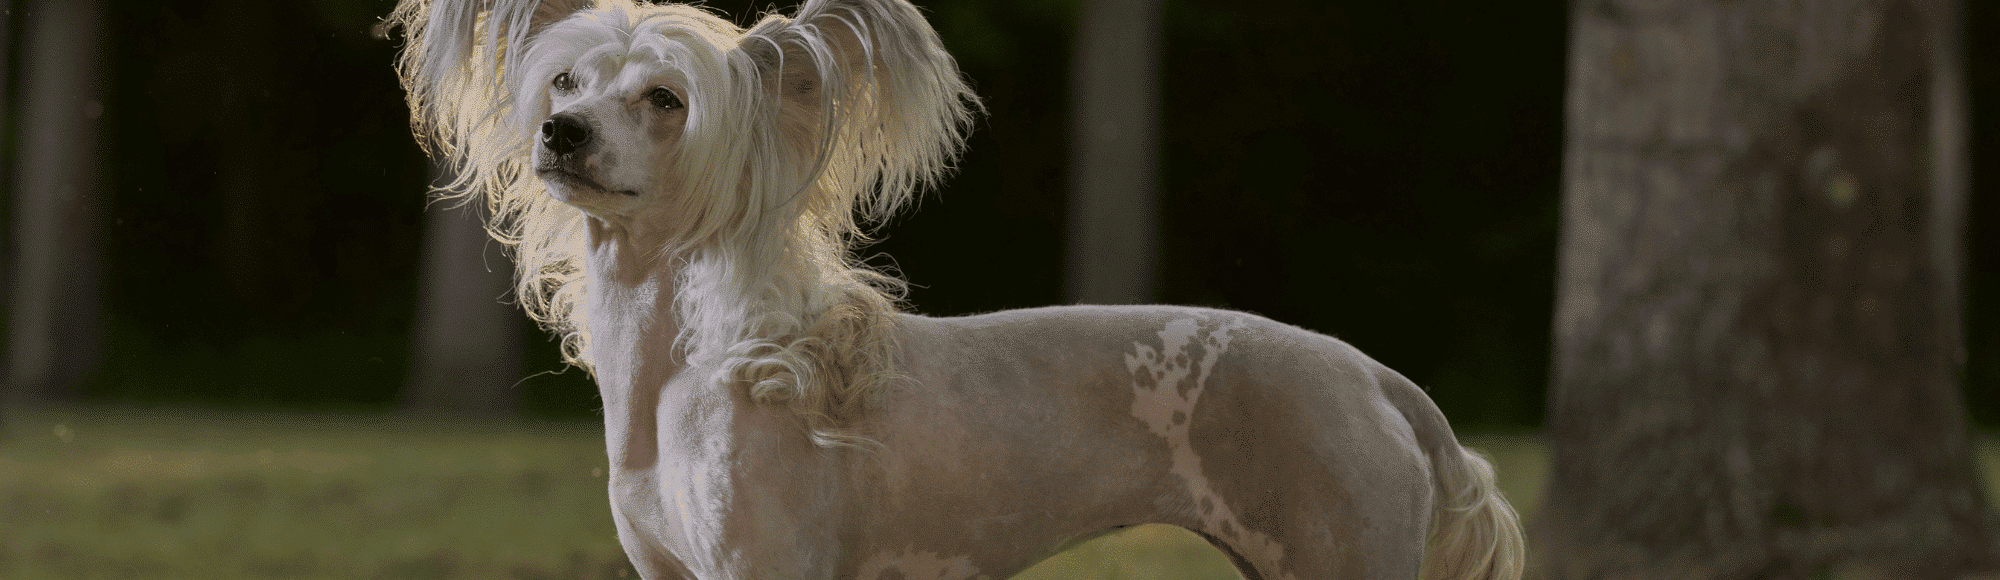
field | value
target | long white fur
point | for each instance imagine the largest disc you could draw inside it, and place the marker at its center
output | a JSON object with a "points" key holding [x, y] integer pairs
{"points": [[795, 128], [772, 285]]}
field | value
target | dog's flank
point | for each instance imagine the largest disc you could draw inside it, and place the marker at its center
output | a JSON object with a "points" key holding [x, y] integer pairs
{"points": [[683, 197]]}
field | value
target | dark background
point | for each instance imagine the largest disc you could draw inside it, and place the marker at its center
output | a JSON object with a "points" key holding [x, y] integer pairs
{"points": [[1386, 172]]}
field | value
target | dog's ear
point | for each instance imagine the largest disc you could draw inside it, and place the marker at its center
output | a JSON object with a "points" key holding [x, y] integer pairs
{"points": [[455, 56], [881, 103]]}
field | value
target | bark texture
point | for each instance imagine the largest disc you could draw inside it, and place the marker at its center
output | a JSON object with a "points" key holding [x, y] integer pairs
{"points": [[1758, 300], [53, 324], [7, 167]]}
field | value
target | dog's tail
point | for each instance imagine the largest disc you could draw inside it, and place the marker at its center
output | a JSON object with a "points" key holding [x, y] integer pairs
{"points": [[1474, 533]]}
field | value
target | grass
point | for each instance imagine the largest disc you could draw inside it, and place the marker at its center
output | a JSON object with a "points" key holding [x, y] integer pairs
{"points": [[109, 493], [97, 492]]}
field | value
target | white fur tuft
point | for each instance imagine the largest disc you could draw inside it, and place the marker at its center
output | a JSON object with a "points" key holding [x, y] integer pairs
{"points": [[1475, 534], [793, 127]]}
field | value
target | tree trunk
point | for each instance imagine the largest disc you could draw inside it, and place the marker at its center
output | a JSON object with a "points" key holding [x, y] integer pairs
{"points": [[53, 326], [1758, 306], [468, 343], [7, 165], [1113, 209]]}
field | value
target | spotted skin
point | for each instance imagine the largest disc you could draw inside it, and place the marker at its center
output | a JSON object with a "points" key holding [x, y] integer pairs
{"points": [[1167, 383]]}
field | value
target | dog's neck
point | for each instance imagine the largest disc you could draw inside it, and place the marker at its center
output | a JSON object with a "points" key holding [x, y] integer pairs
{"points": [[632, 328]]}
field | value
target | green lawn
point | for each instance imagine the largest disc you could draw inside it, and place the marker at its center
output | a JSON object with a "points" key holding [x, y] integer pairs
{"points": [[93, 492], [105, 493]]}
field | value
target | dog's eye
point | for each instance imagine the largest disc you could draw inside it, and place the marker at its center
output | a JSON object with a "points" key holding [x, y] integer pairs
{"points": [[663, 98], [564, 82]]}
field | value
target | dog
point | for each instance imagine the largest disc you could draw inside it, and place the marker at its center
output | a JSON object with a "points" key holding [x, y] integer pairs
{"points": [[682, 198]]}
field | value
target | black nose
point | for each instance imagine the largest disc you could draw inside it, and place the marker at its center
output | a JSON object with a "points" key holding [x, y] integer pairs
{"points": [[564, 134]]}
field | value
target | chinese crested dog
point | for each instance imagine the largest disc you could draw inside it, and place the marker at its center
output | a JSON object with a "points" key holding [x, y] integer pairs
{"points": [[682, 198]]}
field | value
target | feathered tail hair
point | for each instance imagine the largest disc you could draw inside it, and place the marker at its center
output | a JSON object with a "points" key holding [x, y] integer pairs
{"points": [[846, 107]]}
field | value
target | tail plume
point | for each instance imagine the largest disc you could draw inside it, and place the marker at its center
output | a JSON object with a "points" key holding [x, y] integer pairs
{"points": [[1475, 533]]}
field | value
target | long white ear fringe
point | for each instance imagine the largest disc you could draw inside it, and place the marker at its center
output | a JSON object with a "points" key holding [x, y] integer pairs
{"points": [[893, 109], [453, 69], [864, 98], [454, 58]]}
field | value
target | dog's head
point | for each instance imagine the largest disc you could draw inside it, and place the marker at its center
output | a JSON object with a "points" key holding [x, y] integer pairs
{"points": [[671, 120], [749, 153], [609, 94]]}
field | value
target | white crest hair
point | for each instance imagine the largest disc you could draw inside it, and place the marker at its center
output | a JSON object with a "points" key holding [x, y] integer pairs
{"points": [[793, 127]]}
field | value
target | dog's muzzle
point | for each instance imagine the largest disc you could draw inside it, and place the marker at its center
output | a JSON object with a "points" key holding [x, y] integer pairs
{"points": [[564, 133]]}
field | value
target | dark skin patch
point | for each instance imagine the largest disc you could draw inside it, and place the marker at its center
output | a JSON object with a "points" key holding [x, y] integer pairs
{"points": [[1146, 381], [1197, 348]]}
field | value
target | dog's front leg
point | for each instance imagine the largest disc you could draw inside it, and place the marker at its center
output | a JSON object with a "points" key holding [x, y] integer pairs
{"points": [[735, 492], [645, 529]]}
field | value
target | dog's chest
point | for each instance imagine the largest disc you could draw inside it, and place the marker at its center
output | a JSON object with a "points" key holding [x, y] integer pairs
{"points": [[729, 496]]}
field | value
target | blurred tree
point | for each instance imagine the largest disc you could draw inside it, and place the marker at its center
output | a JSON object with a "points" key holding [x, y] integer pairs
{"points": [[7, 84], [53, 325], [1114, 208], [468, 345], [1757, 327]]}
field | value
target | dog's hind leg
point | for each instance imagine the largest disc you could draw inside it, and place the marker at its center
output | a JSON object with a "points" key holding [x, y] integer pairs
{"points": [[1285, 504], [1289, 455]]}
